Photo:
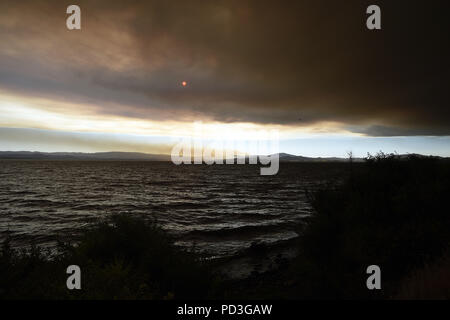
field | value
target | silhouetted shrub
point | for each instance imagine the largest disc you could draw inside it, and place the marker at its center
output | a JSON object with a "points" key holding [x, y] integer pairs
{"points": [[122, 258], [392, 213]]}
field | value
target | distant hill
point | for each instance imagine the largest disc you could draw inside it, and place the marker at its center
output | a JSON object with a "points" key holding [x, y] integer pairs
{"points": [[285, 157], [137, 156], [130, 156], [83, 156]]}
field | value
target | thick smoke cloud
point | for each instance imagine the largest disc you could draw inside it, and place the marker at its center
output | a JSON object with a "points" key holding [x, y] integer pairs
{"points": [[282, 62]]}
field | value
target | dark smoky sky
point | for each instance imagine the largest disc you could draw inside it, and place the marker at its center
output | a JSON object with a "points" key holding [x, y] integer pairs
{"points": [[270, 62]]}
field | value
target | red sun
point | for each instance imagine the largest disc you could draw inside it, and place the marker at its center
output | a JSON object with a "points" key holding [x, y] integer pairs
{"points": [[184, 83]]}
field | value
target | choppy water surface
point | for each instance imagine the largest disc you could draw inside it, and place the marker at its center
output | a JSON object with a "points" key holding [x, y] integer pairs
{"points": [[222, 209]]}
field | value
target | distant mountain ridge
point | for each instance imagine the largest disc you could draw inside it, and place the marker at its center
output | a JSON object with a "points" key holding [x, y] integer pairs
{"points": [[286, 157], [113, 155], [138, 156]]}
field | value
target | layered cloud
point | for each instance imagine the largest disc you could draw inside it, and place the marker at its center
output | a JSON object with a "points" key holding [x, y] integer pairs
{"points": [[302, 64]]}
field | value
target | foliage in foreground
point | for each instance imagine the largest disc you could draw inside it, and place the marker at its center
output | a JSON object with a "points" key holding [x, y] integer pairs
{"points": [[393, 213], [124, 258]]}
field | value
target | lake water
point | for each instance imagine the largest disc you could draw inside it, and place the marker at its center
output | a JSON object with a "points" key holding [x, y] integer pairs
{"points": [[222, 209]]}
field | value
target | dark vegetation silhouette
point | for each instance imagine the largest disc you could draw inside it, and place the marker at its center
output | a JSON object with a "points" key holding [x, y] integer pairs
{"points": [[390, 211], [122, 258]]}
